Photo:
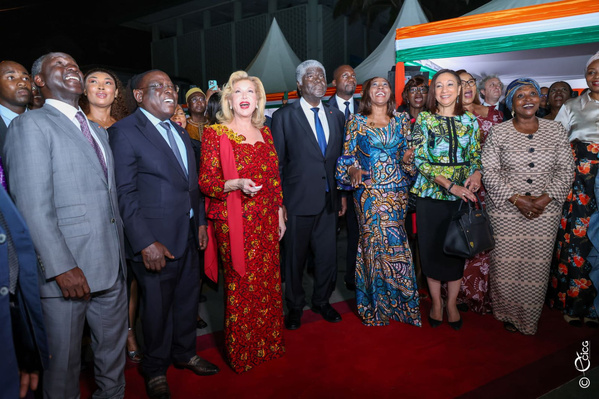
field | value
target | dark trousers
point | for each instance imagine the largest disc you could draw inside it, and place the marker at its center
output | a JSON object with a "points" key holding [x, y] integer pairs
{"points": [[353, 235], [169, 309], [319, 234]]}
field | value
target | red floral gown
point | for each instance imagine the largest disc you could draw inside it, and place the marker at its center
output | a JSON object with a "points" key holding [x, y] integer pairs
{"points": [[253, 302], [474, 290]]}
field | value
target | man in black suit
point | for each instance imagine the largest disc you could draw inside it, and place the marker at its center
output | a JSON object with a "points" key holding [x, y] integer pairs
{"points": [[344, 80], [308, 136], [165, 226]]}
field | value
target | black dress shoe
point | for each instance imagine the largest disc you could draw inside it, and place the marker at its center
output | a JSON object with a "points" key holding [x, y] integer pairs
{"points": [[434, 322], [456, 325], [200, 323], [293, 320], [157, 387], [327, 312], [199, 366], [462, 307], [509, 327]]}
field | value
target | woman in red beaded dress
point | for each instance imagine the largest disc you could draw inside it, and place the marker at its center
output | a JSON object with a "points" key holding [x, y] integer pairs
{"points": [[239, 176]]}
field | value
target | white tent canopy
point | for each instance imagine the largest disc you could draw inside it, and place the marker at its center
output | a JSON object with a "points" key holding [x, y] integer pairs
{"points": [[382, 59], [275, 62]]}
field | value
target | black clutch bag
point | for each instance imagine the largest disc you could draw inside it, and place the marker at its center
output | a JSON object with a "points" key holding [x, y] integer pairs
{"points": [[469, 232]]}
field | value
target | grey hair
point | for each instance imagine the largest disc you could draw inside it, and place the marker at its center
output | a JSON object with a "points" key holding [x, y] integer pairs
{"points": [[481, 84], [301, 69], [36, 69], [591, 60]]}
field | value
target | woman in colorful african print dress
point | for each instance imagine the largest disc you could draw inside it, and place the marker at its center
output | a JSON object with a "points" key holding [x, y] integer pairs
{"points": [[448, 161], [570, 287], [379, 165], [239, 176], [527, 172]]}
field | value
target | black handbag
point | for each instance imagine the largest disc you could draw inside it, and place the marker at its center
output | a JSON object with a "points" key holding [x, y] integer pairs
{"points": [[411, 208], [469, 232]]}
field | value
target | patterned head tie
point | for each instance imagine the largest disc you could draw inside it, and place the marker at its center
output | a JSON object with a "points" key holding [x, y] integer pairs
{"points": [[513, 87]]}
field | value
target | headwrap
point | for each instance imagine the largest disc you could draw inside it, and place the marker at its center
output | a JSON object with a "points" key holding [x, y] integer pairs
{"points": [[191, 91], [513, 87], [591, 60]]}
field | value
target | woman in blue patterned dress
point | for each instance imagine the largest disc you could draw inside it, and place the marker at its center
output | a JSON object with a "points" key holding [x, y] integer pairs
{"points": [[448, 161], [378, 165]]}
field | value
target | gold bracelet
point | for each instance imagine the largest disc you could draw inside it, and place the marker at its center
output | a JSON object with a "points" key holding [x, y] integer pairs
{"points": [[517, 196]]}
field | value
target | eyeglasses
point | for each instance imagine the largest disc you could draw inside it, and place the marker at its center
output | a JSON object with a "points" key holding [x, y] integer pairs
{"points": [[562, 89], [471, 82], [161, 86], [419, 89], [543, 96]]}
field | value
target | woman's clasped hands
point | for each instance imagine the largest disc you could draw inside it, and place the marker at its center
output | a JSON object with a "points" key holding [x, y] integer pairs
{"points": [[532, 207]]}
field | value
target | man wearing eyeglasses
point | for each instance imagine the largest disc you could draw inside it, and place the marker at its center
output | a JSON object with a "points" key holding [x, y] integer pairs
{"points": [[165, 226]]}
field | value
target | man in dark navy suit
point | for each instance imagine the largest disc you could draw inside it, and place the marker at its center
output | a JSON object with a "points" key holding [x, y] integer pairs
{"points": [[308, 136], [24, 349], [165, 226], [344, 80]]}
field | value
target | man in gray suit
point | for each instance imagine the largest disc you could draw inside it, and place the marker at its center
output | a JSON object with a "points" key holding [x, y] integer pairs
{"points": [[61, 177]]}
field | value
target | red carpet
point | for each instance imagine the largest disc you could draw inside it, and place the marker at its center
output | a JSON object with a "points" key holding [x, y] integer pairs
{"points": [[351, 360]]}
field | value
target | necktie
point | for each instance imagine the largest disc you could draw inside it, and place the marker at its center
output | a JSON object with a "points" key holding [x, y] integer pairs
{"points": [[322, 141], [173, 144], [88, 135], [13, 260], [347, 113]]}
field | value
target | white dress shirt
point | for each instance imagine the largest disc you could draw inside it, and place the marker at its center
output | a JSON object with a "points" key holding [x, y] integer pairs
{"points": [[322, 115]]}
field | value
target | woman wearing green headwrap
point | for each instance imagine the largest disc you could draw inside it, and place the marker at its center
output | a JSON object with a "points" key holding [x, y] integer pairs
{"points": [[527, 169]]}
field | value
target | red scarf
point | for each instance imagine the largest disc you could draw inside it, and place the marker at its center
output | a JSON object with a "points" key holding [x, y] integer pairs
{"points": [[234, 218]]}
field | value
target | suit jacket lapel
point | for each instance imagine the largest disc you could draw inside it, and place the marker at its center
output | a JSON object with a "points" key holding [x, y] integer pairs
{"points": [[153, 136], [190, 154], [334, 133], [76, 135], [300, 118]]}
